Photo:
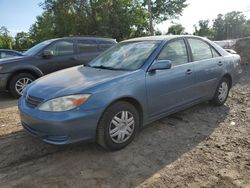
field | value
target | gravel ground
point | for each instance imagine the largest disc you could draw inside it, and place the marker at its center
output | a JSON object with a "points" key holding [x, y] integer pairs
{"points": [[203, 146]]}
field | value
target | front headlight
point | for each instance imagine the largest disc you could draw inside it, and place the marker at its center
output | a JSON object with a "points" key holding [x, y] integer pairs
{"points": [[64, 103]]}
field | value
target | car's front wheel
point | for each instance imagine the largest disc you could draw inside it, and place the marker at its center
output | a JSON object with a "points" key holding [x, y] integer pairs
{"points": [[118, 126], [18, 83], [222, 92]]}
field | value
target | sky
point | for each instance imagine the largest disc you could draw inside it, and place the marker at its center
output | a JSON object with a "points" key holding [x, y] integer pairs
{"points": [[19, 15], [206, 9]]}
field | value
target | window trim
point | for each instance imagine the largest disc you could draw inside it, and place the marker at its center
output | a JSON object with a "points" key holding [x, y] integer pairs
{"points": [[174, 40], [61, 40], [92, 40]]}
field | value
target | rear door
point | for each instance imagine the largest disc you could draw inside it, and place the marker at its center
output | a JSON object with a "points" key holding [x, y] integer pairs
{"points": [[208, 66], [86, 50], [170, 89], [105, 45]]}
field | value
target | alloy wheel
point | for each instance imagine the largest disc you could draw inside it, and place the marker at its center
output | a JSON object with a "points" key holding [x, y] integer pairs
{"points": [[223, 91], [21, 84]]}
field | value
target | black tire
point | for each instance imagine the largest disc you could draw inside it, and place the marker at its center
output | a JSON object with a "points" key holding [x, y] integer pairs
{"points": [[103, 130], [216, 99], [14, 80]]}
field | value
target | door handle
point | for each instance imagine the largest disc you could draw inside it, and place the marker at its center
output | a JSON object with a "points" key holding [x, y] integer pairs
{"points": [[220, 63], [189, 71]]}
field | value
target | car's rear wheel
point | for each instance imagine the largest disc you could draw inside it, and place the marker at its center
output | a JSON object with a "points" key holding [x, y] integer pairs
{"points": [[18, 83], [222, 92], [118, 126]]}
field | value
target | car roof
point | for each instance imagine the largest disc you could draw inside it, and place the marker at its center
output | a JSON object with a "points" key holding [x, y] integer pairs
{"points": [[90, 37], [8, 50], [159, 38]]}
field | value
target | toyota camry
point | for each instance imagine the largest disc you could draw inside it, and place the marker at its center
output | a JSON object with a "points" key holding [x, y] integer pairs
{"points": [[132, 84]]}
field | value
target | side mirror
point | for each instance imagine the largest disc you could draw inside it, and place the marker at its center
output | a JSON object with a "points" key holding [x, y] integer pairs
{"points": [[47, 54], [161, 65]]}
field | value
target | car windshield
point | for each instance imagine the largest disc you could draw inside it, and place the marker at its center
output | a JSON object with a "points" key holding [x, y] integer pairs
{"points": [[125, 56], [35, 49]]}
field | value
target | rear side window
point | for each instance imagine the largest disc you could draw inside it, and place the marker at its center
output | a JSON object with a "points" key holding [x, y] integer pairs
{"points": [[86, 46], [104, 45], [200, 49], [61, 48], [176, 52]]}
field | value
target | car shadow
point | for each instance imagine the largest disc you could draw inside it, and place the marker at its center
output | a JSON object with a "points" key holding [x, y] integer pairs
{"points": [[88, 165], [6, 100]]}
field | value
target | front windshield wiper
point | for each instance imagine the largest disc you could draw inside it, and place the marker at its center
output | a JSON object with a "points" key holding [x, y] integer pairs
{"points": [[104, 67]]}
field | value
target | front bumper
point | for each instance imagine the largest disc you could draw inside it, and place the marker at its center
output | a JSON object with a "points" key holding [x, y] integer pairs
{"points": [[59, 128], [3, 81]]}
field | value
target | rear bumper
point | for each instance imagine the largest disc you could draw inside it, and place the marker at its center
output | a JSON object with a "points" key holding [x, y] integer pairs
{"points": [[3, 81], [59, 128], [236, 76]]}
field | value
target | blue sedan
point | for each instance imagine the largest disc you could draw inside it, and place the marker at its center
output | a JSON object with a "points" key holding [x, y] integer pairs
{"points": [[132, 84]]}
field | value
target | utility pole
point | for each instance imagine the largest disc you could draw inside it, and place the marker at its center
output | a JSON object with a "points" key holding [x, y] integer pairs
{"points": [[151, 29]]}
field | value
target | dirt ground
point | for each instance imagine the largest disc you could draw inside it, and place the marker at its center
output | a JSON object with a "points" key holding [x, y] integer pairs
{"points": [[204, 146]]}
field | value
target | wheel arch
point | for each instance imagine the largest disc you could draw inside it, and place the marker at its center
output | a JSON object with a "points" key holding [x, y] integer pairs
{"points": [[229, 77], [34, 72], [133, 102]]}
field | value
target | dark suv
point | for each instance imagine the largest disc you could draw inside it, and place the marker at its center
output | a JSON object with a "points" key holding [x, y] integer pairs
{"points": [[46, 57]]}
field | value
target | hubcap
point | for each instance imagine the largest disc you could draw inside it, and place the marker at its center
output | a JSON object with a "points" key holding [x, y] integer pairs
{"points": [[223, 91], [121, 127], [21, 84]]}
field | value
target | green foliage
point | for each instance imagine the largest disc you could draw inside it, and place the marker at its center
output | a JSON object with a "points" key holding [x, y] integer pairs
{"points": [[43, 28], [6, 40], [119, 19], [176, 29], [167, 9], [229, 26], [203, 29], [23, 41], [158, 32]]}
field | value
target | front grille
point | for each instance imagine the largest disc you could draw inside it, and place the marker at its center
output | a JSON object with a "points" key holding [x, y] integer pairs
{"points": [[33, 101]]}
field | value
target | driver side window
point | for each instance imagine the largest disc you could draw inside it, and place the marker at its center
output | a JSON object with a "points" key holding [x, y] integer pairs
{"points": [[61, 48], [176, 52]]}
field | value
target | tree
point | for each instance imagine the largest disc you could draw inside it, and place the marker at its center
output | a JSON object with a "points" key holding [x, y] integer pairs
{"points": [[162, 10], [120, 19], [43, 28], [203, 29], [176, 29], [231, 25], [219, 28], [114, 18], [23, 41], [6, 41]]}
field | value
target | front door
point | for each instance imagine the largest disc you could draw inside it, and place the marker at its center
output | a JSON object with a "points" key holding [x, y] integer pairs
{"points": [[63, 56], [171, 88]]}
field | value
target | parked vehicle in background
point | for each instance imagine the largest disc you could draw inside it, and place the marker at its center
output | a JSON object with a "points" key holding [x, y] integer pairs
{"points": [[132, 84], [231, 51], [228, 45], [5, 53], [47, 57]]}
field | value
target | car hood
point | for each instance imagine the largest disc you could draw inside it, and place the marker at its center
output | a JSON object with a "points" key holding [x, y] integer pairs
{"points": [[13, 59], [71, 81]]}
